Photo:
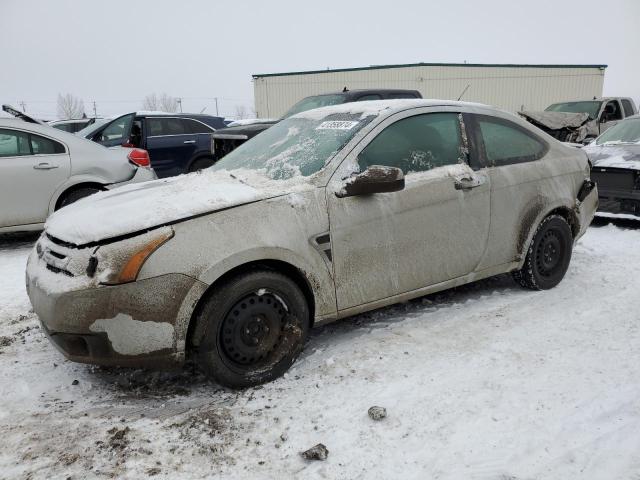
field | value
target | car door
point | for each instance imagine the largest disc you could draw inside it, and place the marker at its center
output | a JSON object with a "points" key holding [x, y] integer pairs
{"points": [[432, 231], [170, 144], [521, 181], [32, 167]]}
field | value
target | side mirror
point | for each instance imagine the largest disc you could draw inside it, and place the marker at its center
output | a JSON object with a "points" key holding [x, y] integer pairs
{"points": [[375, 179]]}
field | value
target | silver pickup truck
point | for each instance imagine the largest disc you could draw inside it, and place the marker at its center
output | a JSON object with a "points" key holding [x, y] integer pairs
{"points": [[583, 120]]}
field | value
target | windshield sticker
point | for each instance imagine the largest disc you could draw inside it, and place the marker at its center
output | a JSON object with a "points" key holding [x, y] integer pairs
{"points": [[336, 125]]}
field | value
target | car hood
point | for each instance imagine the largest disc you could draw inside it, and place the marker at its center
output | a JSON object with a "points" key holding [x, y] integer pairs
{"points": [[142, 206], [556, 120], [249, 131], [614, 156]]}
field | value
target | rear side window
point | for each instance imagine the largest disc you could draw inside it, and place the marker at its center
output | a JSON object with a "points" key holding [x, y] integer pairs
{"points": [[402, 95], [167, 126], [45, 146], [416, 144], [628, 108], [14, 143], [197, 127], [506, 143]]}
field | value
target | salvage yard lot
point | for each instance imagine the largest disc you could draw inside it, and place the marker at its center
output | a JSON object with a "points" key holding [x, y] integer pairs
{"points": [[487, 381]]}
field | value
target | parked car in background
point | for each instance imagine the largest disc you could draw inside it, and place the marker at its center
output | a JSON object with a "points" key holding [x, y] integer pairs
{"points": [[235, 135], [615, 156], [177, 142], [43, 169], [72, 126], [331, 212], [581, 121]]}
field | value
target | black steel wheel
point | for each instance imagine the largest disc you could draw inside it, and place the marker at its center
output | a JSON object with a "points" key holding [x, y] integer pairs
{"points": [[548, 256], [251, 329]]}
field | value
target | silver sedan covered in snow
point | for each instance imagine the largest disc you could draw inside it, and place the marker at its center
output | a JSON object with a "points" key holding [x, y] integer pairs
{"points": [[43, 169], [329, 213]]}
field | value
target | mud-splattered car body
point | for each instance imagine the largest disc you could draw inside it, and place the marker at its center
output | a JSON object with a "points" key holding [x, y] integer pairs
{"points": [[118, 279]]}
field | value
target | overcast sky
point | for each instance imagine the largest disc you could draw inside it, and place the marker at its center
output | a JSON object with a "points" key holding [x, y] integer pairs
{"points": [[118, 51]]}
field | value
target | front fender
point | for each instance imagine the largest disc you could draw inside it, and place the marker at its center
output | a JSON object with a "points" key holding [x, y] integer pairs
{"points": [[319, 280]]}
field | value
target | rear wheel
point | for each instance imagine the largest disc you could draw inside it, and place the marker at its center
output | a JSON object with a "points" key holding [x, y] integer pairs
{"points": [[254, 328], [548, 256], [75, 195], [200, 163]]}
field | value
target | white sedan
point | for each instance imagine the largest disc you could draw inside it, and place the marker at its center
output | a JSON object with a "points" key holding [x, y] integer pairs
{"points": [[43, 169]]}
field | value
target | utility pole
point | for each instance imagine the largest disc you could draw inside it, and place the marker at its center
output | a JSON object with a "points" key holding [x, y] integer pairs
{"points": [[24, 106], [95, 110], [179, 100], [216, 99]]}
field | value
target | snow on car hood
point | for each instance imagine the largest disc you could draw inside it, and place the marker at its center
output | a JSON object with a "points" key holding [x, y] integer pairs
{"points": [[614, 156], [556, 120], [141, 206]]}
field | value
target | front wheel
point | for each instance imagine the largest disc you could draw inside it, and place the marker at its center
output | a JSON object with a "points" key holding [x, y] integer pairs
{"points": [[548, 256], [253, 328]]}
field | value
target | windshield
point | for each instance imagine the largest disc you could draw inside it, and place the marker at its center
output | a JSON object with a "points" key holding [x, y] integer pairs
{"points": [[623, 132], [590, 107], [93, 127], [295, 146], [314, 102]]}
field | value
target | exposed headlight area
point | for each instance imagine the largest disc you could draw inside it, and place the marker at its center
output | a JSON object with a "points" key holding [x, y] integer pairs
{"points": [[57, 266]]}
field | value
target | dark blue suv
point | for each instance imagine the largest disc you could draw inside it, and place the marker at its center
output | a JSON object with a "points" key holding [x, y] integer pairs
{"points": [[177, 142]]}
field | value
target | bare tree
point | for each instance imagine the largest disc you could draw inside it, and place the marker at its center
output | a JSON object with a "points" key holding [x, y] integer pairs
{"points": [[69, 107], [163, 102], [241, 112]]}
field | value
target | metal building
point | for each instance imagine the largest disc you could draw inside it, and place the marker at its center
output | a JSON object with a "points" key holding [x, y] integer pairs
{"points": [[510, 87]]}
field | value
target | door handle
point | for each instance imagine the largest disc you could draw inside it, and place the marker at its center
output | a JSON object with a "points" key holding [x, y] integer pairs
{"points": [[45, 166], [467, 182], [189, 141]]}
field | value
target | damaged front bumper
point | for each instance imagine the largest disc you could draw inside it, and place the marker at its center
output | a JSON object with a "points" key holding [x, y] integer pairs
{"points": [[136, 324]]}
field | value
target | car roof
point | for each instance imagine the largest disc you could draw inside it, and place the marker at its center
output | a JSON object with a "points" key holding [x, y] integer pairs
{"points": [[44, 129], [376, 107]]}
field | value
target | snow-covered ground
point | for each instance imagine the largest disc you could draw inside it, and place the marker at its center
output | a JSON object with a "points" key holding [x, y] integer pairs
{"points": [[487, 381]]}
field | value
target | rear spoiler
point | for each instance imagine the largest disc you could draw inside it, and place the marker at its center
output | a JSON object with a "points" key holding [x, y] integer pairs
{"points": [[22, 116]]}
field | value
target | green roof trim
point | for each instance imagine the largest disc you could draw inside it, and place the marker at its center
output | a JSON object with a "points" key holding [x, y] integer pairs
{"points": [[405, 65]]}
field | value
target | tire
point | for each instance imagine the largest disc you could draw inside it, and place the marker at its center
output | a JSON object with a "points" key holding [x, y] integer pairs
{"points": [[548, 256], [200, 163], [253, 327], [75, 195]]}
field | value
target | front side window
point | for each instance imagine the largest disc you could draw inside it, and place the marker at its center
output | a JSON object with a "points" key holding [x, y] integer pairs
{"points": [[612, 112], [118, 129], [416, 144], [45, 146], [13, 143], [506, 143]]}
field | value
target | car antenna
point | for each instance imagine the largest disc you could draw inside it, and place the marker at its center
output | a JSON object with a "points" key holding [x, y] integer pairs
{"points": [[345, 89], [463, 91], [202, 111]]}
